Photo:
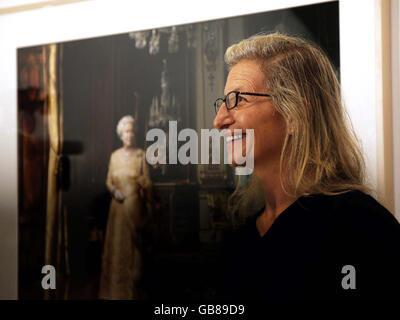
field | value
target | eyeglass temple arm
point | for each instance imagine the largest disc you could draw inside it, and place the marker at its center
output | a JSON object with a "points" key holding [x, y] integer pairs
{"points": [[255, 94]]}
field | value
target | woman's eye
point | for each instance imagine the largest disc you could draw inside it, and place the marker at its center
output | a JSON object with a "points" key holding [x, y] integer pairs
{"points": [[240, 98]]}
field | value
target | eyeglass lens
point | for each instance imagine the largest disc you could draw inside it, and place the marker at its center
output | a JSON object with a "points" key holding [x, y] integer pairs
{"points": [[230, 101]]}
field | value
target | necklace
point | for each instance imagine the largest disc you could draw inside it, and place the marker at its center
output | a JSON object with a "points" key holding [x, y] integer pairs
{"points": [[127, 154]]}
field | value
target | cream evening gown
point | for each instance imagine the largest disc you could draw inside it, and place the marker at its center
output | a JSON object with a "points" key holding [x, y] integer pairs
{"points": [[121, 260]]}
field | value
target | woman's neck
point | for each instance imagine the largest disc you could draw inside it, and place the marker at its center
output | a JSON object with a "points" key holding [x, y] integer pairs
{"points": [[276, 200], [128, 148]]}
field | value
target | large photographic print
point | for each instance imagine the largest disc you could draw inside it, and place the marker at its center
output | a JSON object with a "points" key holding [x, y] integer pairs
{"points": [[111, 224]]}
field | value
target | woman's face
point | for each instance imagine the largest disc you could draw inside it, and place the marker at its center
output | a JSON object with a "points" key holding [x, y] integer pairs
{"points": [[252, 112], [127, 135]]}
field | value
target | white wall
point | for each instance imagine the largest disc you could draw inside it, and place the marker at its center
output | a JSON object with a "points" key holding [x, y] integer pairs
{"points": [[13, 3], [366, 86], [98, 18], [395, 60]]}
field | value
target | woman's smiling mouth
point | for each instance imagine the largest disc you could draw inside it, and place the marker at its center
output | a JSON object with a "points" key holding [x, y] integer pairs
{"points": [[234, 137]]}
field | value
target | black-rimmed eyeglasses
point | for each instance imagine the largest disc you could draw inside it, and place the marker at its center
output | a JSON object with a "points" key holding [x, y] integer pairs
{"points": [[232, 99]]}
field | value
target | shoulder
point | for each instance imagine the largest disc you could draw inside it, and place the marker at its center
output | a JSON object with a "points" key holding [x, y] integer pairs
{"points": [[350, 205], [365, 226], [362, 209], [140, 153], [353, 215], [116, 153]]}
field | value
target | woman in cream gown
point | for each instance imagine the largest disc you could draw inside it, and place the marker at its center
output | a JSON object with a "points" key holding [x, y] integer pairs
{"points": [[127, 179]]}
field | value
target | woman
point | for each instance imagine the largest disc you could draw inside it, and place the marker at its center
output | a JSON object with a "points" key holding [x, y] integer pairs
{"points": [[318, 234], [127, 180]]}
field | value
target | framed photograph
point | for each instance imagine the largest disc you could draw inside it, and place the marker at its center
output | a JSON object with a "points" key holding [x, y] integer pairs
{"points": [[73, 98]]}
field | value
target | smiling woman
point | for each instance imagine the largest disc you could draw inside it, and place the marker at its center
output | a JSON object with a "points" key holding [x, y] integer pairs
{"points": [[317, 219]]}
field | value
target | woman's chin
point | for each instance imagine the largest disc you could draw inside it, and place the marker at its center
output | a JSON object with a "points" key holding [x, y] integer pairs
{"points": [[236, 152], [233, 163]]}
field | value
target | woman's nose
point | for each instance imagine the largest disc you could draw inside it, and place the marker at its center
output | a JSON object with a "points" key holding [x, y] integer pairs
{"points": [[223, 118]]}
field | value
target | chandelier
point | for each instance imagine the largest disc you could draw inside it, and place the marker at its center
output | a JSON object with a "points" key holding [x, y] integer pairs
{"points": [[152, 39]]}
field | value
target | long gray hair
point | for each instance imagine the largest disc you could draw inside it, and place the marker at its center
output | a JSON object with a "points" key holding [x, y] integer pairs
{"points": [[322, 154]]}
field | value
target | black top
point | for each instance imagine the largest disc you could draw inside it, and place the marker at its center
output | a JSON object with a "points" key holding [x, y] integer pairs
{"points": [[304, 251]]}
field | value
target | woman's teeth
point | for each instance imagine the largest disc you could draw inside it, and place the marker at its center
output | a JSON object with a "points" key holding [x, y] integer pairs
{"points": [[235, 137]]}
